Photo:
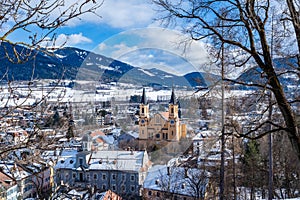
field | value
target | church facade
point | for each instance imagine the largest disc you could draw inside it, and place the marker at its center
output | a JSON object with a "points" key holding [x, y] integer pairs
{"points": [[163, 126]]}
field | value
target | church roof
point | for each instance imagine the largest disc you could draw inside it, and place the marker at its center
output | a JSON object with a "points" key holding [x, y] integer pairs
{"points": [[144, 99], [173, 97], [165, 115]]}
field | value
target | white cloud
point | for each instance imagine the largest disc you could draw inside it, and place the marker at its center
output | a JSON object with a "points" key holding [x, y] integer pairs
{"points": [[66, 40], [122, 46], [121, 49], [102, 47], [120, 14], [124, 14], [72, 39]]}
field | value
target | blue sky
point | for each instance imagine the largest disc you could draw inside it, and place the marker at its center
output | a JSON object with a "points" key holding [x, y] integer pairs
{"points": [[125, 30]]}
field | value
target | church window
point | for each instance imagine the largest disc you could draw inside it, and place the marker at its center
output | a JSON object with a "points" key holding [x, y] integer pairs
{"points": [[157, 120], [172, 110], [143, 110], [172, 132]]}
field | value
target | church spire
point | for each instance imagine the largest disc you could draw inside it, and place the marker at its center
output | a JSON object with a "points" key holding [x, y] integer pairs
{"points": [[173, 98], [144, 99]]}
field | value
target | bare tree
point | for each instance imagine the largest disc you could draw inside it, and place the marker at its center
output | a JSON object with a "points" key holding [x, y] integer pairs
{"points": [[38, 22], [248, 29]]}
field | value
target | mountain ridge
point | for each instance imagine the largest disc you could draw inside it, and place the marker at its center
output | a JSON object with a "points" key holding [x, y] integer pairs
{"points": [[74, 63]]}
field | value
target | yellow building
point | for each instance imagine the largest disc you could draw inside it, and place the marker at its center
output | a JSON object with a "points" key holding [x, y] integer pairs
{"points": [[162, 126]]}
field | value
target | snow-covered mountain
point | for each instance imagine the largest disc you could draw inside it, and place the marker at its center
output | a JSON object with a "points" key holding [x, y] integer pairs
{"points": [[73, 63]]}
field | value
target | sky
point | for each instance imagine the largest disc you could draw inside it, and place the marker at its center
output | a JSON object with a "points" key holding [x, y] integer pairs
{"points": [[128, 31]]}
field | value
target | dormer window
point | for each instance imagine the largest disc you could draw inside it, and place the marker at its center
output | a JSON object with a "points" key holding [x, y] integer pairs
{"points": [[183, 186]]}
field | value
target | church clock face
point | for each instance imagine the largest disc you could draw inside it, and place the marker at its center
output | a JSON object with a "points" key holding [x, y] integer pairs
{"points": [[172, 121], [142, 121]]}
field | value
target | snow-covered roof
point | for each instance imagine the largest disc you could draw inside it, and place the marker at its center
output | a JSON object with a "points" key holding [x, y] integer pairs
{"points": [[105, 160], [14, 171], [207, 134], [117, 160], [66, 163], [176, 180]]}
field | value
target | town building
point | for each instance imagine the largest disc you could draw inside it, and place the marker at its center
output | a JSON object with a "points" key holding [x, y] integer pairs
{"points": [[31, 179], [161, 126], [8, 187], [122, 172]]}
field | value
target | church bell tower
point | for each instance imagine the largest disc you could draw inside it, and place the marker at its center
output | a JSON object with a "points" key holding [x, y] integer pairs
{"points": [[143, 117], [173, 121]]}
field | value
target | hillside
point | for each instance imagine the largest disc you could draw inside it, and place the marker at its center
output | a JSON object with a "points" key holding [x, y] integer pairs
{"points": [[73, 63]]}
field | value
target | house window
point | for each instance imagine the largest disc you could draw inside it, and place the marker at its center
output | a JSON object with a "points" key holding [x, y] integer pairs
{"points": [[123, 177], [80, 161], [158, 194], [88, 177], [81, 176], [103, 176], [103, 187], [74, 175], [150, 193], [132, 188], [114, 187], [114, 177], [132, 177], [123, 188], [95, 176]]}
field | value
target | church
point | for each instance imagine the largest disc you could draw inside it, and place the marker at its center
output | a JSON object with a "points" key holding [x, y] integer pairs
{"points": [[163, 126]]}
